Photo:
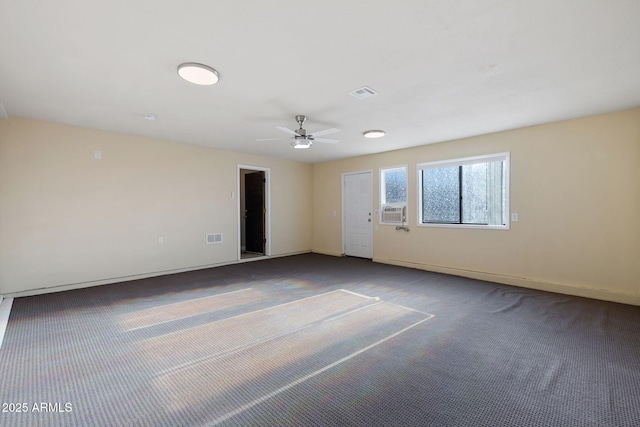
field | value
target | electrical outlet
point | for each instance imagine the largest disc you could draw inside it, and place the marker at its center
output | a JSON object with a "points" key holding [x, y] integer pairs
{"points": [[160, 240], [514, 217]]}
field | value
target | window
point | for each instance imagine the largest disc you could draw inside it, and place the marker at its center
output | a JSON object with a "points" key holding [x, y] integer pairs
{"points": [[393, 195], [469, 192]]}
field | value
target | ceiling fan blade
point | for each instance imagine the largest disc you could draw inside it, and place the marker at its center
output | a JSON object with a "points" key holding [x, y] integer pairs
{"points": [[272, 139], [330, 141], [287, 130], [326, 132]]}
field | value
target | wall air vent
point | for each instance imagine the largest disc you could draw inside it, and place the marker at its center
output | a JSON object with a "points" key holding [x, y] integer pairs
{"points": [[214, 238], [363, 92]]}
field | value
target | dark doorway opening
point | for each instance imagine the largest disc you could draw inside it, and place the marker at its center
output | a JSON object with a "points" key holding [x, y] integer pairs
{"points": [[253, 213]]}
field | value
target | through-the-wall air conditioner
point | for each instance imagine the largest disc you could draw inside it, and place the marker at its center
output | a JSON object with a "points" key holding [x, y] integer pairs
{"points": [[393, 214]]}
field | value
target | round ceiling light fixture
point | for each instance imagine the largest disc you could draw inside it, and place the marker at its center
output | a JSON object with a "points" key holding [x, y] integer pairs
{"points": [[198, 74], [373, 134]]}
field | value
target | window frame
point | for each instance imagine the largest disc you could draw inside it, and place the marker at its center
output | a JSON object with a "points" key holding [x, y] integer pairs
{"points": [[383, 192], [504, 157]]}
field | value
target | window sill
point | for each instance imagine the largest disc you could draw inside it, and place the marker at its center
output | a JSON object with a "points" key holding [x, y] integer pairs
{"points": [[474, 226]]}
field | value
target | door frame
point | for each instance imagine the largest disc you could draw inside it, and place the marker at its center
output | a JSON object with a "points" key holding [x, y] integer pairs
{"points": [[344, 213], [267, 206]]}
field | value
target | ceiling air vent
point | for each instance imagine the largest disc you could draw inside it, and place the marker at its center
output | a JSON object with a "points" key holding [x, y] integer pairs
{"points": [[363, 92], [214, 238]]}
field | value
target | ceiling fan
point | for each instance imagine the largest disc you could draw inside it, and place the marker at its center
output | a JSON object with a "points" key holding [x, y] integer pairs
{"points": [[302, 139]]}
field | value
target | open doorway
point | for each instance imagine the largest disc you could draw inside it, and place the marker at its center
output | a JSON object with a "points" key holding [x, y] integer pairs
{"points": [[254, 224]]}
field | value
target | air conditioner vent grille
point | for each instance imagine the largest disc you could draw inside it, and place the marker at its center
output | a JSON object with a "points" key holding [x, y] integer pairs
{"points": [[214, 238], [363, 92], [393, 214]]}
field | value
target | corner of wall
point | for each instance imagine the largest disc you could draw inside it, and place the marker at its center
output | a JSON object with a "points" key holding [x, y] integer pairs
{"points": [[324, 252]]}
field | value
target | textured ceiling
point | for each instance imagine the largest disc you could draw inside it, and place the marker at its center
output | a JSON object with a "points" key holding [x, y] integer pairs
{"points": [[444, 69]]}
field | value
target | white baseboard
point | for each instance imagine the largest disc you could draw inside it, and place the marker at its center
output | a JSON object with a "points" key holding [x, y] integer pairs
{"points": [[109, 281], [331, 253], [523, 282]]}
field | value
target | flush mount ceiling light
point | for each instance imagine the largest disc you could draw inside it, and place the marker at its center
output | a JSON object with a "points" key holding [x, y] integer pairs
{"points": [[199, 74], [373, 134]]}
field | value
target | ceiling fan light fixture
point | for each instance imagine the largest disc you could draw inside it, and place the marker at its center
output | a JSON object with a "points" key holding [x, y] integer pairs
{"points": [[198, 74], [300, 143], [374, 134]]}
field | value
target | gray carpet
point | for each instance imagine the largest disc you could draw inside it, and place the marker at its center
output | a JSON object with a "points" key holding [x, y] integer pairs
{"points": [[315, 340]]}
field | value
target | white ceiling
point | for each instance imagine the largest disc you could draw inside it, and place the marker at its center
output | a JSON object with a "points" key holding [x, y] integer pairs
{"points": [[444, 69]]}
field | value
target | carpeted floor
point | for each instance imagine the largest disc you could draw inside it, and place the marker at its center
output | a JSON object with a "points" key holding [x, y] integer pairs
{"points": [[312, 340]]}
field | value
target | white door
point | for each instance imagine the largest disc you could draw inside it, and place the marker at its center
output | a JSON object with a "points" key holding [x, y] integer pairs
{"points": [[358, 216]]}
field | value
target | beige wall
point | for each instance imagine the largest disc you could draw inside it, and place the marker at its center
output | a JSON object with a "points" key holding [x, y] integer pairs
{"points": [[68, 219], [574, 184]]}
